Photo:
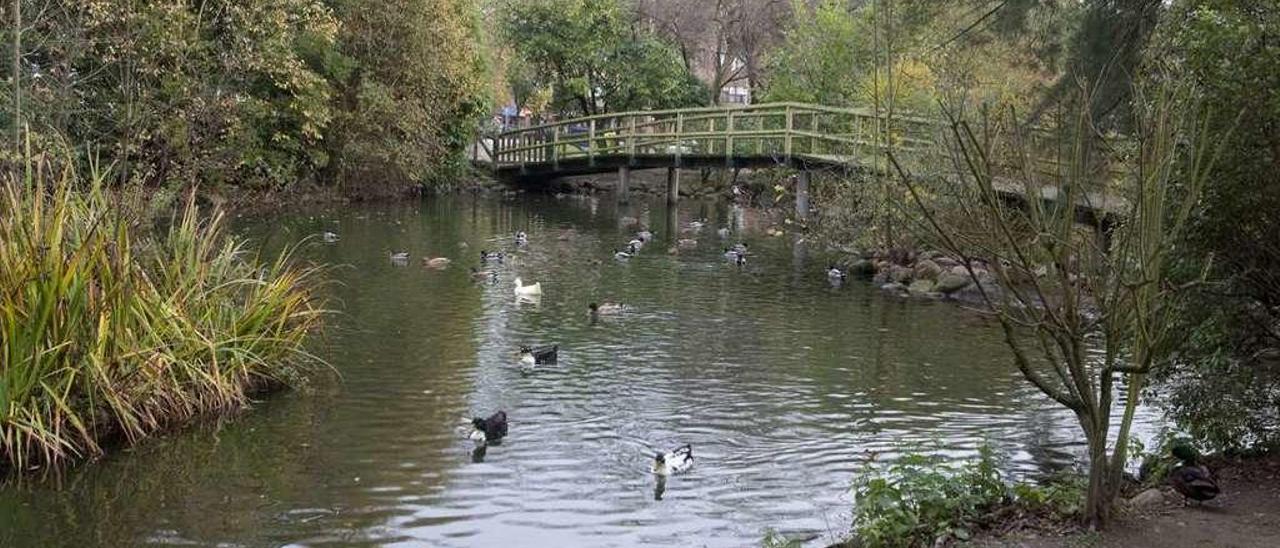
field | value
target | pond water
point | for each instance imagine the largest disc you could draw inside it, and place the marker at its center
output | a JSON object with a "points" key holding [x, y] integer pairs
{"points": [[784, 385]]}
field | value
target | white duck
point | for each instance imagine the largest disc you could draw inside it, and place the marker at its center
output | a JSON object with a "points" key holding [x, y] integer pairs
{"points": [[674, 462], [330, 237], [527, 290]]}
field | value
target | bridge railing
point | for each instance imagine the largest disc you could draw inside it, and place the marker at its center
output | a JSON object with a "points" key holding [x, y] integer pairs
{"points": [[781, 130]]}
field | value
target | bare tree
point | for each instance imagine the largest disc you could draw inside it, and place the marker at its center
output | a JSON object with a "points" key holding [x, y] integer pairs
{"points": [[1084, 313]]}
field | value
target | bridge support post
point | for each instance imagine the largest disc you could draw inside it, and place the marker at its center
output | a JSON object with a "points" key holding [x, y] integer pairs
{"points": [[802, 196], [673, 185], [624, 184]]}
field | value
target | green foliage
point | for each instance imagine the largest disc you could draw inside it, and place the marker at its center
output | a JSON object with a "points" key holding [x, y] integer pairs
{"points": [[1225, 388], [593, 60], [823, 58], [259, 93], [920, 498], [416, 92], [110, 330], [773, 539]]}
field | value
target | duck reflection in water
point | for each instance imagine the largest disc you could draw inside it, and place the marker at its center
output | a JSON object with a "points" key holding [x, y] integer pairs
{"points": [[477, 454], [659, 487]]}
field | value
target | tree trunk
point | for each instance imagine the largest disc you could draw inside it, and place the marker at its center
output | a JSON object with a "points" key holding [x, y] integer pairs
{"points": [[1098, 498]]}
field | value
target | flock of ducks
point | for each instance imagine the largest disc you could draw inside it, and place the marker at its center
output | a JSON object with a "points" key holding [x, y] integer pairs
{"points": [[491, 430]]}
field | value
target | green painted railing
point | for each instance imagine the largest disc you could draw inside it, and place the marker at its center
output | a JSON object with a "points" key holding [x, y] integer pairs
{"points": [[778, 130]]}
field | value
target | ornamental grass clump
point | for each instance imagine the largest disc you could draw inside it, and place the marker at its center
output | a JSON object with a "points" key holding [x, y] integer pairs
{"points": [[110, 331]]}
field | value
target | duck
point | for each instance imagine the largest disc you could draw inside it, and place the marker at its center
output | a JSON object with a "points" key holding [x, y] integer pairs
{"points": [[487, 257], [400, 257], [436, 262], [329, 237], [834, 273], [522, 238], [1192, 481], [622, 255], [483, 275], [674, 462], [527, 290], [645, 235], [723, 233], [539, 355], [741, 248], [489, 430], [605, 309], [635, 243]]}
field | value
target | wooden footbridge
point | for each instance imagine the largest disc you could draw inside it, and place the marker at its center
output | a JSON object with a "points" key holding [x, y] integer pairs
{"points": [[802, 136]]}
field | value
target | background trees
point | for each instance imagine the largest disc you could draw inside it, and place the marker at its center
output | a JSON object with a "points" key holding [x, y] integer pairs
{"points": [[594, 59], [256, 93]]}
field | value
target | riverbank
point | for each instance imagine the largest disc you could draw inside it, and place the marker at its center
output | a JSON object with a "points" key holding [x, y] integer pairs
{"points": [[1245, 515]]}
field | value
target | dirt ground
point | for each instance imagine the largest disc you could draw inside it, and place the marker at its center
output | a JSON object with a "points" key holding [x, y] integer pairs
{"points": [[1245, 515]]}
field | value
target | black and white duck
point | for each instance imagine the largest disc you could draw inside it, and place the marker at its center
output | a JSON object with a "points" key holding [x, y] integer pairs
{"points": [[538, 355], [673, 462], [489, 430]]}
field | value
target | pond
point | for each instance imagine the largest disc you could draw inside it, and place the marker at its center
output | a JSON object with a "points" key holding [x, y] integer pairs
{"points": [[784, 385]]}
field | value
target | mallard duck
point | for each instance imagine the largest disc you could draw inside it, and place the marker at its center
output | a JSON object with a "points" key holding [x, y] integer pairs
{"points": [[527, 290], [329, 237], [436, 262], [495, 257], [622, 255], [605, 309], [1191, 480], [635, 243], [522, 238], [398, 258], [674, 462], [539, 355], [834, 273], [488, 430], [483, 275]]}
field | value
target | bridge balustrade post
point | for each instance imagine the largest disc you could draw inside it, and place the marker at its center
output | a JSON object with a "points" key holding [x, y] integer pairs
{"points": [[631, 140], [786, 143], [555, 147], [679, 138], [591, 142], [728, 142]]}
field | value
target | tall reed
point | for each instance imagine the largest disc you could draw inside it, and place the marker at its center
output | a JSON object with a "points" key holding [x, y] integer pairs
{"points": [[110, 330]]}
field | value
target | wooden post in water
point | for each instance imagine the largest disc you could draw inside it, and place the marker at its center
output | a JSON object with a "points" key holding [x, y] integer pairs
{"points": [[624, 182], [802, 195], [673, 185]]}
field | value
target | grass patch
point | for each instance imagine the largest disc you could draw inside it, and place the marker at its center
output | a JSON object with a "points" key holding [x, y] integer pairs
{"points": [[112, 330]]}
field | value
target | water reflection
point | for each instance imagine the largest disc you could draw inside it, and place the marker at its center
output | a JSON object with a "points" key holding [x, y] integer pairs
{"points": [[784, 385]]}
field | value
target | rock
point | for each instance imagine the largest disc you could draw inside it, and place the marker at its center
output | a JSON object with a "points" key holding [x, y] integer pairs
{"points": [[951, 282], [926, 269], [881, 277], [920, 287], [862, 267], [1151, 498], [900, 274], [945, 262], [895, 288]]}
